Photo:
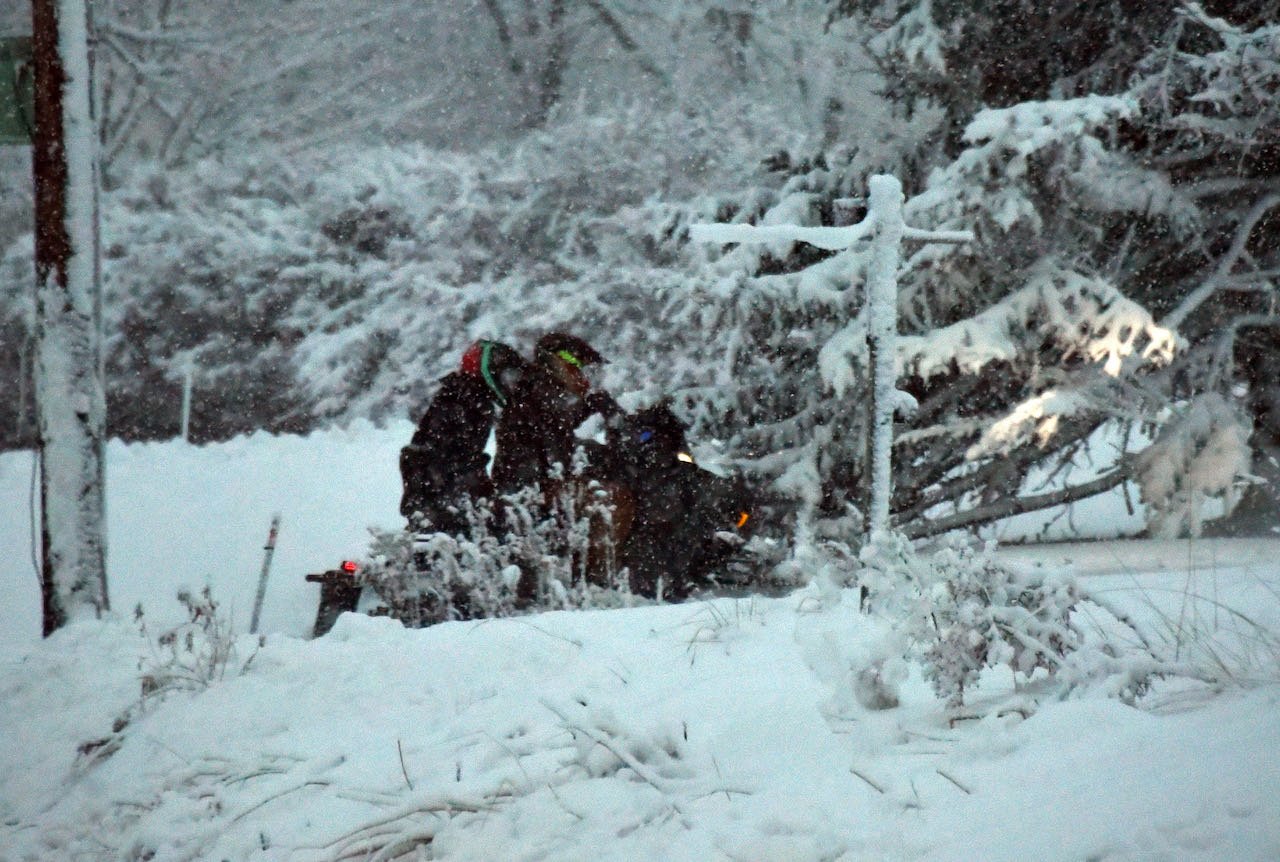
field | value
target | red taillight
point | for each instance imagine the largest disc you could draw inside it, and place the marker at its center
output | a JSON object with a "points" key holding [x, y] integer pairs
{"points": [[349, 566]]}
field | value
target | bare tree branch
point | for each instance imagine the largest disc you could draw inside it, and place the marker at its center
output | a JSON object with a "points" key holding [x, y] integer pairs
{"points": [[624, 39], [1016, 505], [1202, 293]]}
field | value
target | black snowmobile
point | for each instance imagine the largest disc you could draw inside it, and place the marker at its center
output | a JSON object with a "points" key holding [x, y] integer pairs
{"points": [[686, 522]]}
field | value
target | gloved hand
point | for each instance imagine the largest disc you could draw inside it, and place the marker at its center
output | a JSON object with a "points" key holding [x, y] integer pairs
{"points": [[599, 401]]}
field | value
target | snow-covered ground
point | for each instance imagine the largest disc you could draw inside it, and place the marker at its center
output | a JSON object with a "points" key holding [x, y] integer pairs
{"points": [[183, 516], [711, 730]]}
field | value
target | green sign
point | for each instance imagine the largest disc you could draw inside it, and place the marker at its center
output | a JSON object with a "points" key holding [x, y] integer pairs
{"points": [[17, 90]]}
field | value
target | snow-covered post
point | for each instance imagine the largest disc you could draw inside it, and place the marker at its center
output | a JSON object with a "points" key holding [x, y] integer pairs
{"points": [[71, 401], [885, 226], [882, 342]]}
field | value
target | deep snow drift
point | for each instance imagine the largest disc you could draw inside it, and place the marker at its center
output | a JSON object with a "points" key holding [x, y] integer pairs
{"points": [[711, 730]]}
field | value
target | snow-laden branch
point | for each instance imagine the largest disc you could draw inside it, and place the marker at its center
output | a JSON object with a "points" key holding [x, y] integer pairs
{"points": [[826, 238], [948, 237]]}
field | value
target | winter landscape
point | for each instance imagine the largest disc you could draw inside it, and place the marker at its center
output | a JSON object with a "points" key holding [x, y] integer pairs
{"points": [[827, 430]]}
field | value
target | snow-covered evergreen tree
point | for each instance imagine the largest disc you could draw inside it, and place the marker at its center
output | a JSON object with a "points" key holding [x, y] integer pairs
{"points": [[1160, 192]]}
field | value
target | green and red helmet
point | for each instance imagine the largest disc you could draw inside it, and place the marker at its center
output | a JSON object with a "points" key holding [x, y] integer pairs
{"points": [[568, 348], [496, 363]]}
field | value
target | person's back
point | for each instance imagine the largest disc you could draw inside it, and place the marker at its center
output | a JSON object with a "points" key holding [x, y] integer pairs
{"points": [[551, 400], [444, 465]]}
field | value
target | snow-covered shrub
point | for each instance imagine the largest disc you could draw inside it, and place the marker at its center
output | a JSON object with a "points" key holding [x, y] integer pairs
{"points": [[189, 657], [958, 613], [519, 555], [1201, 453], [192, 655]]}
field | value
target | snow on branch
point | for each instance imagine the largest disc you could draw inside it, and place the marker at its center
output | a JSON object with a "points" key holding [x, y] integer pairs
{"points": [[827, 238], [1085, 316], [1029, 126], [1201, 453], [1004, 141], [1038, 416]]}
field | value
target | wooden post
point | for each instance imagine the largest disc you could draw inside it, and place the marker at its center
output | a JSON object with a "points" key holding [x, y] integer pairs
{"points": [[185, 420]]}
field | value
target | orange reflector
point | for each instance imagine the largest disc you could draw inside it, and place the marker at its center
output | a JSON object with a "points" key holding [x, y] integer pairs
{"points": [[743, 517], [349, 566]]}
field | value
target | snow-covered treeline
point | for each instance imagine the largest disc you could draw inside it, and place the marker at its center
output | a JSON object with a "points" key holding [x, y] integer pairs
{"points": [[1122, 196]]}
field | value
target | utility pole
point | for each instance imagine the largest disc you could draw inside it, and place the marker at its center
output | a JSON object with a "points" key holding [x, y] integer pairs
{"points": [[70, 394]]}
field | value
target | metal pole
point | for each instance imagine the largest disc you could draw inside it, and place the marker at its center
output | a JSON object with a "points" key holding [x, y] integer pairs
{"points": [[269, 550], [186, 403]]}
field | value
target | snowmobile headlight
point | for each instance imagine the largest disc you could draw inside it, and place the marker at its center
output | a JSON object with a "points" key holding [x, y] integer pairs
{"points": [[685, 457]]}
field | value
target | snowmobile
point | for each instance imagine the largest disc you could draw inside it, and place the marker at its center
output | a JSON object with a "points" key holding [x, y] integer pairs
{"points": [[677, 523], [687, 520]]}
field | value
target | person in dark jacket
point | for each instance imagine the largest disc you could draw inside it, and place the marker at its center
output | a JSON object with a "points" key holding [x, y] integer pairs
{"points": [[444, 465], [552, 398]]}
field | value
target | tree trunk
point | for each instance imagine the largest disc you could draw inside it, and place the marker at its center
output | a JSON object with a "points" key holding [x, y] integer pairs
{"points": [[70, 399]]}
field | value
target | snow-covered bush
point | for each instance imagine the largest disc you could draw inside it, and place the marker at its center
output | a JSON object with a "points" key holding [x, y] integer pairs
{"points": [[518, 556], [1200, 454], [958, 613], [189, 657], [193, 655]]}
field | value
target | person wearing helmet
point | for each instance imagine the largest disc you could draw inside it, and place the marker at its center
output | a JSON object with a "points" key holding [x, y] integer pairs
{"points": [[444, 465], [552, 398]]}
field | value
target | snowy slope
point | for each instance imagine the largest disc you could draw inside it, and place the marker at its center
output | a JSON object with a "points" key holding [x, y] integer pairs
{"points": [[722, 730], [696, 732]]}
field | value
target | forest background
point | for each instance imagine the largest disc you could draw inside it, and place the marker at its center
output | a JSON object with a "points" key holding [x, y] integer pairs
{"points": [[311, 209]]}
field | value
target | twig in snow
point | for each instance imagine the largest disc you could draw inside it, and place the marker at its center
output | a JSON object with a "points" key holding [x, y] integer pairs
{"points": [[718, 774], [873, 785], [403, 770], [1016, 710], [273, 797], [641, 771], [966, 790]]}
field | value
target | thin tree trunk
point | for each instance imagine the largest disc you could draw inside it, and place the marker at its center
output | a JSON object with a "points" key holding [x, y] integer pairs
{"points": [[70, 398]]}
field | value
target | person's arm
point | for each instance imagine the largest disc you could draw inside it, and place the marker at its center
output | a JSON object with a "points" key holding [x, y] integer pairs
{"points": [[599, 401]]}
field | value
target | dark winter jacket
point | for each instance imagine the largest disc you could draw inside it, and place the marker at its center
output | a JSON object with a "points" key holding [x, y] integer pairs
{"points": [[536, 429], [445, 464]]}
